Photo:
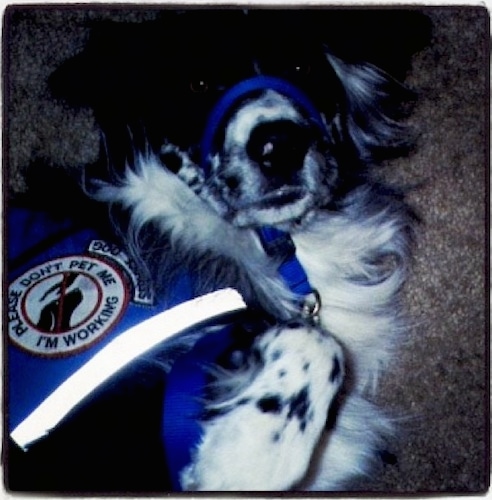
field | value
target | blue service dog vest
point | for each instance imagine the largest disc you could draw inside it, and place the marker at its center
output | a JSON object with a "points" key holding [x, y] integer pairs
{"points": [[70, 294]]}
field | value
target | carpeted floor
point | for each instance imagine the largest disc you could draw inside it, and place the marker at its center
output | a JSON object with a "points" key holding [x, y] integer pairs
{"points": [[439, 383]]}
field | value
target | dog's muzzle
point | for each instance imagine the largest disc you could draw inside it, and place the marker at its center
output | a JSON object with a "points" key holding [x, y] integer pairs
{"points": [[277, 146]]}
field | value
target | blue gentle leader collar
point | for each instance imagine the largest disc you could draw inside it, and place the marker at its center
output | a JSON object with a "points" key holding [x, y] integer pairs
{"points": [[279, 244], [242, 89]]}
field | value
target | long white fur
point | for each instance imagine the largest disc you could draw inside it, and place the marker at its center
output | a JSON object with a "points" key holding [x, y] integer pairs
{"points": [[336, 250], [152, 193]]}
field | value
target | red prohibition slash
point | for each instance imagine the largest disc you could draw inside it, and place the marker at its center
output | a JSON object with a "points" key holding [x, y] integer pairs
{"points": [[56, 320], [59, 316]]}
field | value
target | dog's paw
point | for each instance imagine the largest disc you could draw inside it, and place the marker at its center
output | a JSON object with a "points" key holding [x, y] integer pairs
{"points": [[179, 163], [264, 437]]}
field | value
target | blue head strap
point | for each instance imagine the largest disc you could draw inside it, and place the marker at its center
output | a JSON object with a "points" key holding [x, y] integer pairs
{"points": [[239, 91]]}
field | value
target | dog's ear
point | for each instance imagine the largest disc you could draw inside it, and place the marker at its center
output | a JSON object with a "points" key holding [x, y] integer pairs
{"points": [[372, 110]]}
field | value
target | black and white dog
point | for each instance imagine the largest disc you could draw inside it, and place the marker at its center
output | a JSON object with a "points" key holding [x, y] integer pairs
{"points": [[237, 142]]}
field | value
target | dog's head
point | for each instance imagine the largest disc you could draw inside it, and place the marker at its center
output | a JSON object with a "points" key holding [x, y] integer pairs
{"points": [[252, 109], [265, 153]]}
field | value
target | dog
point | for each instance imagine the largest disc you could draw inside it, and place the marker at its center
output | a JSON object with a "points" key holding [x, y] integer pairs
{"points": [[238, 156]]}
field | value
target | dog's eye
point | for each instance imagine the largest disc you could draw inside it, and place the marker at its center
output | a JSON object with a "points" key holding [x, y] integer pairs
{"points": [[198, 85], [301, 68]]}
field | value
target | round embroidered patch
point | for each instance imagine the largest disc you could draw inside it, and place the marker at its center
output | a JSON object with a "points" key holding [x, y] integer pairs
{"points": [[65, 305]]}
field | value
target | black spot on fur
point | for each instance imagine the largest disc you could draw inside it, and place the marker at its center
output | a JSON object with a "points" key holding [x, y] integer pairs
{"points": [[172, 161], [276, 437], [336, 371], [277, 355], [282, 373], [270, 404], [232, 182], [306, 366], [333, 412], [299, 406]]}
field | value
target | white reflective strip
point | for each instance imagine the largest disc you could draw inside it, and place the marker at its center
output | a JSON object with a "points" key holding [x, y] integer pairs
{"points": [[123, 349]]}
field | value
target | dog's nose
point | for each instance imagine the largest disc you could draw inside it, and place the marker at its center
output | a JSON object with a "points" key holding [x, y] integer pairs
{"points": [[279, 147]]}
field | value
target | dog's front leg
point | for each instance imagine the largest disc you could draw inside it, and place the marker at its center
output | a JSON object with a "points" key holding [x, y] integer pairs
{"points": [[264, 437]]}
